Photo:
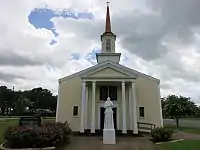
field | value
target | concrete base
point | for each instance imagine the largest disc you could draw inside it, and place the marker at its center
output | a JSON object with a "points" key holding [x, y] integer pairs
{"points": [[109, 136]]}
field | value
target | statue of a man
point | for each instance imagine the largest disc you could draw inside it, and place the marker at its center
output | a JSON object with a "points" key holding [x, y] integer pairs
{"points": [[108, 121]]}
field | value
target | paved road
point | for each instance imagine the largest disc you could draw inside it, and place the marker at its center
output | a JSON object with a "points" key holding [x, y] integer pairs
{"points": [[183, 122]]}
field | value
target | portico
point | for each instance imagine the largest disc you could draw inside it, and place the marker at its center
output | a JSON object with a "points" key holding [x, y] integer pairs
{"points": [[125, 97]]}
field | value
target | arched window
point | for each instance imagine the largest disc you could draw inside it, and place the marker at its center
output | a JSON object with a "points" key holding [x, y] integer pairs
{"points": [[108, 45]]}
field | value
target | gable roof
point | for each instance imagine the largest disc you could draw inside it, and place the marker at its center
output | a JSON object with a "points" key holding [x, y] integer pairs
{"points": [[107, 66], [110, 64]]}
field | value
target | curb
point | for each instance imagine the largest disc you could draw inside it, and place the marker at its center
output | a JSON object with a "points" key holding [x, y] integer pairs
{"points": [[45, 148], [170, 141]]}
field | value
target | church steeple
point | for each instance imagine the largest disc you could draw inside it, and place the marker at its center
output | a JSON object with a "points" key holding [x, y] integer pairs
{"points": [[108, 25], [108, 38], [108, 43]]}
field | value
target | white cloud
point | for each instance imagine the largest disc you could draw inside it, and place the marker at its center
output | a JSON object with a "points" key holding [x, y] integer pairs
{"points": [[157, 41]]}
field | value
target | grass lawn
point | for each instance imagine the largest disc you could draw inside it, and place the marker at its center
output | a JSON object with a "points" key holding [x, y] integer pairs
{"points": [[5, 123], [182, 145], [185, 129]]}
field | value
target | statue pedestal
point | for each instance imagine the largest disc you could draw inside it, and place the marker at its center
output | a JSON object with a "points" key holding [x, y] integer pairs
{"points": [[109, 136]]}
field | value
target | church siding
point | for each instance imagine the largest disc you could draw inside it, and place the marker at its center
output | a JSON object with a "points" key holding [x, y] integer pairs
{"points": [[70, 95], [147, 96]]}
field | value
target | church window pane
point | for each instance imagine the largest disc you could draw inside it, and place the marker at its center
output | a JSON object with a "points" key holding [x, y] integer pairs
{"points": [[108, 91], [141, 109], [113, 92], [108, 45], [75, 111], [103, 93]]}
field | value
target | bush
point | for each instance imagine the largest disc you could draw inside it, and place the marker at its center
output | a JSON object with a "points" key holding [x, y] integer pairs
{"points": [[161, 134], [47, 135]]}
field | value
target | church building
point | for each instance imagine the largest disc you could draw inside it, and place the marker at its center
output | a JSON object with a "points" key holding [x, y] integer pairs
{"points": [[135, 95]]}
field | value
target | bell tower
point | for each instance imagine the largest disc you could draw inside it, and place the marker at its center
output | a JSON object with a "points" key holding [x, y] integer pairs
{"points": [[108, 43]]}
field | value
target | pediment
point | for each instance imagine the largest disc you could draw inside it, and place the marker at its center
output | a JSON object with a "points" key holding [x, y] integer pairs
{"points": [[108, 71], [111, 70]]}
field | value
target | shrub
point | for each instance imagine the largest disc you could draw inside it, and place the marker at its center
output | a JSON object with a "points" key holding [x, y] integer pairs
{"points": [[46, 135], [161, 134]]}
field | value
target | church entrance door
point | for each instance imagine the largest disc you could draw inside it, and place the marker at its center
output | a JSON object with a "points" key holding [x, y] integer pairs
{"points": [[102, 115]]}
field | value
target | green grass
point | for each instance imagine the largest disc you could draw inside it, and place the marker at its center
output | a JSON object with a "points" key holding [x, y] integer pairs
{"points": [[182, 145], [185, 129], [5, 123]]}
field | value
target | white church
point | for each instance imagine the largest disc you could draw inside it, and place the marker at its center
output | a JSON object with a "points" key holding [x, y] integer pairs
{"points": [[136, 96]]}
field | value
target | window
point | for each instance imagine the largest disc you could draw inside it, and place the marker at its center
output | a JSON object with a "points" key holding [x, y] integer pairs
{"points": [[141, 109], [108, 45], [108, 91], [103, 92], [113, 92], [75, 111]]}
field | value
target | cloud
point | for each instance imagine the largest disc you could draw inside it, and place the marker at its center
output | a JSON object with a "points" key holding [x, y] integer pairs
{"points": [[6, 77], [13, 59], [48, 40], [41, 17], [141, 34]]}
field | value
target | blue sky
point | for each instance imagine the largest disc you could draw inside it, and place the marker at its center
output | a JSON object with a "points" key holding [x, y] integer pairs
{"points": [[41, 18]]}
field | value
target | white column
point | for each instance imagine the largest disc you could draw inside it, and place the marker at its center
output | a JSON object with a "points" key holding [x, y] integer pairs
{"points": [[130, 105], [124, 130], [135, 126], [82, 107], [86, 108], [58, 101], [93, 107]]}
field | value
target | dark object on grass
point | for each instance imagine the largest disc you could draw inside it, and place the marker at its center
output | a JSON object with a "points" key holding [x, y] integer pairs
{"points": [[30, 121]]}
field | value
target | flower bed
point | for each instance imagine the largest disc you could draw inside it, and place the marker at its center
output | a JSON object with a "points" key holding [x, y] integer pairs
{"points": [[47, 135]]}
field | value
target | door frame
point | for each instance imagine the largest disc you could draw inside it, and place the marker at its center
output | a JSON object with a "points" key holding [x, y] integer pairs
{"points": [[115, 105]]}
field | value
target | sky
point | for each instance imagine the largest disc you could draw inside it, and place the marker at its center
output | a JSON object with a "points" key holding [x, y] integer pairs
{"points": [[44, 40]]}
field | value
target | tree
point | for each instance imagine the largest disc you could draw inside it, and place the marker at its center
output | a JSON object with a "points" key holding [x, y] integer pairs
{"points": [[6, 98], [21, 105], [40, 99], [178, 107]]}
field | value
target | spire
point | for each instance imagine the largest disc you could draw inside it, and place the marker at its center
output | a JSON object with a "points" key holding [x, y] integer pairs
{"points": [[108, 26]]}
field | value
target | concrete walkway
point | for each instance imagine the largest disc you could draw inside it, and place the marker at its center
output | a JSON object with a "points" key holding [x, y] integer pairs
{"points": [[122, 143]]}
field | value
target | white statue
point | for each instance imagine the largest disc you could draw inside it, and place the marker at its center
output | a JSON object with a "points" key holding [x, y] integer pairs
{"points": [[108, 121]]}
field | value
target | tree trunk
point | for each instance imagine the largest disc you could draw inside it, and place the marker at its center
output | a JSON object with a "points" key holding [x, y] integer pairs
{"points": [[177, 122]]}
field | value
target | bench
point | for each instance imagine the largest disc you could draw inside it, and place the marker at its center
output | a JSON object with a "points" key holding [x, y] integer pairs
{"points": [[146, 127]]}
